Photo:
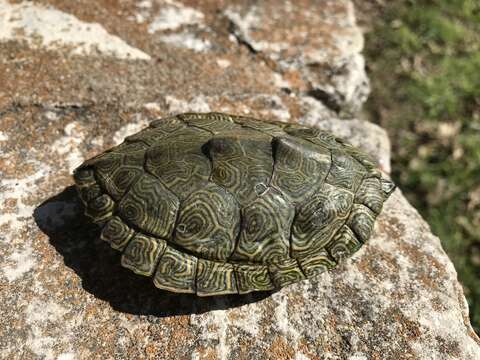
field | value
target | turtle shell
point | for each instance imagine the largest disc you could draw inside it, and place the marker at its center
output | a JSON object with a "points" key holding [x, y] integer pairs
{"points": [[211, 203]]}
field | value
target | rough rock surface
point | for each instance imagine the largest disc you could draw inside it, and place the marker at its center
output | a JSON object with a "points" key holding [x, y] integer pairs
{"points": [[320, 48], [64, 98]]}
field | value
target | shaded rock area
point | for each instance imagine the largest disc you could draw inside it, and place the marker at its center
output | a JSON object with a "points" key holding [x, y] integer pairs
{"points": [[78, 76]]}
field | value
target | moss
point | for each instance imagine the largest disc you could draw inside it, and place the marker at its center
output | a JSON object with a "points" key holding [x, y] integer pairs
{"points": [[424, 64]]}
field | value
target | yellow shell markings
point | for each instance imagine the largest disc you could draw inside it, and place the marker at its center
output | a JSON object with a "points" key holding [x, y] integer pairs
{"points": [[213, 203]]}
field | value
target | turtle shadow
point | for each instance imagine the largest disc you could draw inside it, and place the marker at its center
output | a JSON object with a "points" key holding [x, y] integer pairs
{"points": [[77, 239]]}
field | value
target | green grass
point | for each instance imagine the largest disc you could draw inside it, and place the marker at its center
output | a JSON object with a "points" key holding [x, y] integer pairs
{"points": [[424, 64]]}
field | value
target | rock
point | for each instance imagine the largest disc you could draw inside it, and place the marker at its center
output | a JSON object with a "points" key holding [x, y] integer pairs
{"points": [[64, 293], [50, 28], [321, 45]]}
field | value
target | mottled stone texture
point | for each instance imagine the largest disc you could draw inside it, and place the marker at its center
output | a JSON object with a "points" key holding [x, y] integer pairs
{"points": [[63, 99]]}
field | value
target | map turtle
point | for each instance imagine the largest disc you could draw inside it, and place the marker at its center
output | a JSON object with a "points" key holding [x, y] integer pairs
{"points": [[213, 203]]}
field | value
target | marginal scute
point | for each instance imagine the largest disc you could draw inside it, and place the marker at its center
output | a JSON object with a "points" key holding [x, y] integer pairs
{"points": [[143, 253], [316, 263], [100, 209], [84, 176], [148, 136], [265, 238], [318, 219], [150, 206], [271, 128], [362, 157], [285, 272], [316, 136], [344, 244], [370, 194], [168, 125], [86, 184], [361, 221], [115, 172], [215, 278], [300, 167], [158, 130], [117, 233], [89, 192], [176, 271], [208, 223], [104, 163], [345, 172], [213, 122], [387, 187], [252, 278], [126, 147]]}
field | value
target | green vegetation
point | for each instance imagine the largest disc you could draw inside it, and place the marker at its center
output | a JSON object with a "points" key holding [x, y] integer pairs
{"points": [[424, 64]]}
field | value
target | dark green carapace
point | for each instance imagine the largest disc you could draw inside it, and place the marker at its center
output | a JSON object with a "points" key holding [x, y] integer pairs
{"points": [[221, 204]]}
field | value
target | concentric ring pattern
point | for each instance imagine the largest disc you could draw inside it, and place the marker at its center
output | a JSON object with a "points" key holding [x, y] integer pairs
{"points": [[213, 203]]}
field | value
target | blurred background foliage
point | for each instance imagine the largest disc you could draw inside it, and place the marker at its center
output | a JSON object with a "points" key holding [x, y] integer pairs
{"points": [[423, 60]]}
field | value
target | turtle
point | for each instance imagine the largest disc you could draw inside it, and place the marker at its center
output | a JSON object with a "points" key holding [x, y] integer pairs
{"points": [[216, 204]]}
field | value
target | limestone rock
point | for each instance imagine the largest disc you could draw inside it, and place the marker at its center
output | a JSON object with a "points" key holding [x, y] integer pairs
{"points": [[64, 294], [319, 42]]}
